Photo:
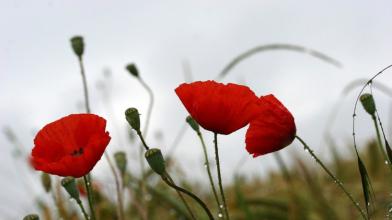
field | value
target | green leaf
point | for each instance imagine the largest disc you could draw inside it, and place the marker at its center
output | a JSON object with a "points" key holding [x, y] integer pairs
{"points": [[269, 47], [389, 150], [366, 186]]}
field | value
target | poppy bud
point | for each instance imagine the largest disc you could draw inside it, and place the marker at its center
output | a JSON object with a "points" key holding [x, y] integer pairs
{"points": [[77, 45], [31, 217], [193, 123], [155, 160], [69, 185], [368, 103], [46, 181], [132, 116], [132, 69], [121, 161]]}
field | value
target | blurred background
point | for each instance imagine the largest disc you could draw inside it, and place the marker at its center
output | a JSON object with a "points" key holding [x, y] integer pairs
{"points": [[176, 41]]}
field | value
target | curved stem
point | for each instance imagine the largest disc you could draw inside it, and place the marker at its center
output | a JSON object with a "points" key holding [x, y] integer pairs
{"points": [[207, 164], [120, 207], [182, 198], [150, 106], [83, 210], [338, 182], [219, 176], [87, 183], [193, 196]]}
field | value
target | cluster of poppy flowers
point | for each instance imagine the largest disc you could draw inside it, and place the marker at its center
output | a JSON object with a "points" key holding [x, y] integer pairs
{"points": [[72, 145], [224, 109]]}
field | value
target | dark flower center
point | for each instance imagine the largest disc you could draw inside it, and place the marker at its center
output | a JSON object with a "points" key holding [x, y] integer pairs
{"points": [[77, 152]]}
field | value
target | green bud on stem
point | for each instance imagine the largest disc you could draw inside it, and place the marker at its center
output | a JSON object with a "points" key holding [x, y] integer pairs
{"points": [[77, 45], [133, 118], [121, 161], [156, 161], [69, 185], [132, 69], [46, 181], [368, 103], [193, 123]]}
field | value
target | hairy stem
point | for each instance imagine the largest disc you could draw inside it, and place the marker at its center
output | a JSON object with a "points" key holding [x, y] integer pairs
{"points": [[182, 198], [219, 176], [207, 164], [338, 182], [83, 210], [193, 196], [87, 183]]}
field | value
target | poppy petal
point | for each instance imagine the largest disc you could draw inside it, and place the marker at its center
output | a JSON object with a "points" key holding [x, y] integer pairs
{"points": [[273, 128], [217, 107], [70, 146]]}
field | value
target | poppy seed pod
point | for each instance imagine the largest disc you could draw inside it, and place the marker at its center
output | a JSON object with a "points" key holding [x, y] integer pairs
{"points": [[46, 181], [368, 103], [155, 159], [69, 185], [132, 69], [133, 118], [195, 126], [121, 161], [31, 217], [77, 45]]}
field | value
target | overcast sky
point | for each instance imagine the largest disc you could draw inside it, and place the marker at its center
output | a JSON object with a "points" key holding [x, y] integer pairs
{"points": [[40, 80]]}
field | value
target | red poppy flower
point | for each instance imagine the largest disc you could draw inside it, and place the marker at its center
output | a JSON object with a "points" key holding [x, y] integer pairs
{"points": [[70, 146], [217, 107], [272, 130]]}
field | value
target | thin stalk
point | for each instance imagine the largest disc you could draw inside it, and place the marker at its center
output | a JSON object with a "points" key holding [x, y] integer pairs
{"points": [[87, 183], [83, 210], [88, 110], [338, 182], [219, 176], [120, 207], [85, 88], [58, 209], [182, 198], [207, 164], [380, 145], [193, 196], [145, 131], [143, 142]]}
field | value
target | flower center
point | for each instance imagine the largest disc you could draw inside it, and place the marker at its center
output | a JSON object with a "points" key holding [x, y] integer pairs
{"points": [[77, 152]]}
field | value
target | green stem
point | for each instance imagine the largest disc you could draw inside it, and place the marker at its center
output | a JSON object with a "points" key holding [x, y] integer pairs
{"points": [[85, 88], [143, 142], [380, 145], [87, 183], [219, 176], [338, 182], [83, 210], [120, 207], [193, 196], [145, 131], [182, 198], [207, 164]]}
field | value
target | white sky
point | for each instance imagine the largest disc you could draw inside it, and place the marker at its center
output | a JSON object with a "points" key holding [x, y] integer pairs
{"points": [[40, 82]]}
